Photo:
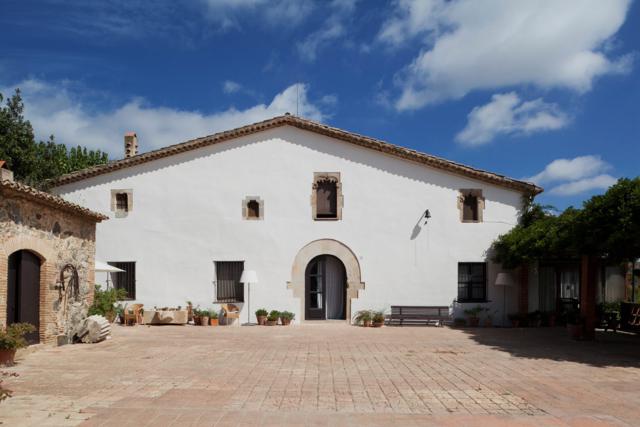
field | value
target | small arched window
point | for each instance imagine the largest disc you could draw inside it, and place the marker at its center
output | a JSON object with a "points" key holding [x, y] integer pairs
{"points": [[252, 208], [326, 199], [471, 205]]}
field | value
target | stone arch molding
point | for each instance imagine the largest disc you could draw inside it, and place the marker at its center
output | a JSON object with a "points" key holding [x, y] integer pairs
{"points": [[325, 247]]}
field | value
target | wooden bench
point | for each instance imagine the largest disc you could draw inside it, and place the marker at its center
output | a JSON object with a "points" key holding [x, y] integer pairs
{"points": [[418, 315]]}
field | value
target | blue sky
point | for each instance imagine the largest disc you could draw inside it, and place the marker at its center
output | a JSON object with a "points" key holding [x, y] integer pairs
{"points": [[543, 90]]}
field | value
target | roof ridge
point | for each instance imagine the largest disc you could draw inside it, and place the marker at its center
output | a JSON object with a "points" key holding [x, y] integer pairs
{"points": [[312, 126]]}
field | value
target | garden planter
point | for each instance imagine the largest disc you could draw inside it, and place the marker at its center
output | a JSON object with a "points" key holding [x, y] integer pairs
{"points": [[7, 356], [204, 321], [272, 322], [378, 324], [261, 320], [213, 322], [575, 330], [285, 322], [196, 320], [111, 316], [366, 323], [474, 322]]}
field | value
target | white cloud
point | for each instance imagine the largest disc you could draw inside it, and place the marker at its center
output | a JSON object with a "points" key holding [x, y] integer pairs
{"points": [[575, 176], [506, 113], [227, 14], [229, 86], [490, 44], [600, 182], [333, 28], [57, 109], [571, 169]]}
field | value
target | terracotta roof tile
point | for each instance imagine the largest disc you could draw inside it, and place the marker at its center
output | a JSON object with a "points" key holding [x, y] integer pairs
{"points": [[309, 125], [30, 193]]}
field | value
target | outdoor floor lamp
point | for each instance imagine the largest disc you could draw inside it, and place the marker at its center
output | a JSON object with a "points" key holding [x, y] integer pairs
{"points": [[504, 280], [249, 277]]}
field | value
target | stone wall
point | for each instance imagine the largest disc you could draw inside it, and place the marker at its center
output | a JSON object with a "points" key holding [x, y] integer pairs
{"points": [[58, 238]]}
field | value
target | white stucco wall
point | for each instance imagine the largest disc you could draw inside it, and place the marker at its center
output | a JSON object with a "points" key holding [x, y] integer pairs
{"points": [[187, 214]]}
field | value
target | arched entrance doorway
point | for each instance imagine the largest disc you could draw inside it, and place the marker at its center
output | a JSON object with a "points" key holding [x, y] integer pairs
{"points": [[325, 288], [23, 291]]}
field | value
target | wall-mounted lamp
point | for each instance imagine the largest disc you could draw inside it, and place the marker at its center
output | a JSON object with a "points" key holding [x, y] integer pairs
{"points": [[426, 216]]}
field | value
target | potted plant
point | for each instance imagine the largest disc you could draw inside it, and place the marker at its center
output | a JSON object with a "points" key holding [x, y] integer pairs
{"points": [[488, 321], [204, 317], [213, 317], [377, 319], [189, 311], [119, 313], [473, 315], [11, 339], [261, 316], [514, 318], [272, 318], [363, 317], [460, 322], [103, 302], [286, 317]]}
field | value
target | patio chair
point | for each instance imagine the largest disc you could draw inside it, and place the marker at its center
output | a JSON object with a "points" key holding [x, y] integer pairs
{"points": [[133, 313], [229, 312]]}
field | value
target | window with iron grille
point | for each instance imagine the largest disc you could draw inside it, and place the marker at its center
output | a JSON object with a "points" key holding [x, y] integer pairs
{"points": [[125, 280], [472, 281], [228, 286], [122, 202]]}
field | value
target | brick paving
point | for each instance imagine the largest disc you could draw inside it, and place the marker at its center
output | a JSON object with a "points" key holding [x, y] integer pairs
{"points": [[329, 374]]}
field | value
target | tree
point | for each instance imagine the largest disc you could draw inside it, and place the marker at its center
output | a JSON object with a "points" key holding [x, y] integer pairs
{"points": [[36, 162], [607, 226]]}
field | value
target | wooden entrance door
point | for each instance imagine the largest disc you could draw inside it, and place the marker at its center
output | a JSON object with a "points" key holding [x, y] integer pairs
{"points": [[23, 291], [325, 289]]}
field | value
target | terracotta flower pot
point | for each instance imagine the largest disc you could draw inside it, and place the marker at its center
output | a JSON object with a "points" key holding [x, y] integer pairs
{"points": [[285, 322], [474, 322], [378, 324], [196, 320], [366, 323], [261, 320], [7, 356], [204, 320], [214, 322], [272, 322]]}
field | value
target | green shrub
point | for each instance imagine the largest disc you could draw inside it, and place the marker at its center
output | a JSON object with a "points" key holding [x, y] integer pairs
{"points": [[287, 315], [103, 301], [261, 312], [378, 317], [363, 316], [13, 338], [274, 315]]}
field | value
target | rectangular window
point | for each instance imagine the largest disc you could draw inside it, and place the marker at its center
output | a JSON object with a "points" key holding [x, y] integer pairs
{"points": [[470, 208], [122, 202], [327, 200], [127, 279], [472, 281], [228, 286]]}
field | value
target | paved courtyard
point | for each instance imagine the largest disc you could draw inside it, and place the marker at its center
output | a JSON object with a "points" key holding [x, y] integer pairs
{"points": [[329, 374]]}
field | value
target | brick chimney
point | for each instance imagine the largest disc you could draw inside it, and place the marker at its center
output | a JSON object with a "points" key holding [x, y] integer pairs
{"points": [[130, 144], [5, 173]]}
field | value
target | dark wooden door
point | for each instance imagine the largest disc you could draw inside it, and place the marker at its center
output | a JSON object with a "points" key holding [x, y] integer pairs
{"points": [[315, 298], [23, 291]]}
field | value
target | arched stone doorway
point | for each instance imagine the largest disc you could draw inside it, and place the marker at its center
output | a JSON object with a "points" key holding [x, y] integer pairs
{"points": [[23, 291], [319, 248], [325, 289]]}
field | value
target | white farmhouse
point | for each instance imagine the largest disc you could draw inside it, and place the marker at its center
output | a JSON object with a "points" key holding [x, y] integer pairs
{"points": [[332, 222]]}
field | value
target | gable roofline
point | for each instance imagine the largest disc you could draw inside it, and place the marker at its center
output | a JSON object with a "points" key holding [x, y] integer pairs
{"points": [[19, 190], [311, 126]]}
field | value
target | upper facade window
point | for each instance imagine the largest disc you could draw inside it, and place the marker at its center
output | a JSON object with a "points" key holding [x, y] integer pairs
{"points": [[471, 205], [121, 202], [252, 208], [326, 198]]}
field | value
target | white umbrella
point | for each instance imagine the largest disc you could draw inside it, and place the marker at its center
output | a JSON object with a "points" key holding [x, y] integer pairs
{"points": [[104, 267]]}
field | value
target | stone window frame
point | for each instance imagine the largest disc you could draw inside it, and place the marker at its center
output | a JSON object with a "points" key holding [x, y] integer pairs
{"points": [[471, 192], [332, 177], [245, 209], [119, 213]]}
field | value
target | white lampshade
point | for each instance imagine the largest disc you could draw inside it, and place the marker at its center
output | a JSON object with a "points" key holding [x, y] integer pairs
{"points": [[249, 276], [504, 279]]}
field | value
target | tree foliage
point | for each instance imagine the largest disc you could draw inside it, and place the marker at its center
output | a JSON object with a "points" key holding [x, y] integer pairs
{"points": [[608, 226], [36, 162]]}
